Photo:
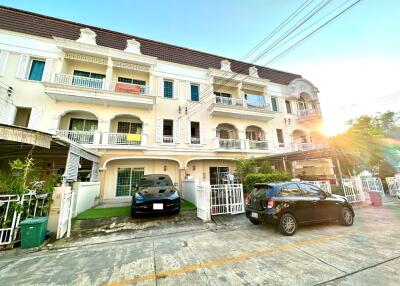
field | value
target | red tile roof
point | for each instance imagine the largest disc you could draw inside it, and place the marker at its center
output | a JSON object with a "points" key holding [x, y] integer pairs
{"points": [[44, 26]]}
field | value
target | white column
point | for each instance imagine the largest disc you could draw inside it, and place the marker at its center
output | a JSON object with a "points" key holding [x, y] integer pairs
{"points": [[109, 72], [151, 82]]}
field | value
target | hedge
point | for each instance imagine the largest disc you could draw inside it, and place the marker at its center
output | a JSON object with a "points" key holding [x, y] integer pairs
{"points": [[253, 178]]}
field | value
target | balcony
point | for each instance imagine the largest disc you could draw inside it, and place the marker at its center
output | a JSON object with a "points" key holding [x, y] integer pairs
{"points": [[229, 144], [239, 108], [81, 137], [168, 139], [308, 146], [257, 145], [65, 87], [308, 114], [124, 139]]}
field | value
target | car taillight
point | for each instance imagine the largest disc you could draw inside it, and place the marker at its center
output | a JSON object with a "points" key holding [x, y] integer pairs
{"points": [[270, 203], [247, 200]]}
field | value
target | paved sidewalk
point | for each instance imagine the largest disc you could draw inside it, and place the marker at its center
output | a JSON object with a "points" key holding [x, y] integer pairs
{"points": [[230, 251]]}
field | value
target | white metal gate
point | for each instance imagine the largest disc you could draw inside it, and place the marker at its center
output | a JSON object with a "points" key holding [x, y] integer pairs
{"points": [[372, 184], [66, 208], [352, 192], [227, 199], [324, 185], [31, 204], [393, 186], [219, 199], [203, 202]]}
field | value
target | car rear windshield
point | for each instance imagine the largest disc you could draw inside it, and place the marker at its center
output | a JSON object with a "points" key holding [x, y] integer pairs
{"points": [[268, 190], [155, 181]]}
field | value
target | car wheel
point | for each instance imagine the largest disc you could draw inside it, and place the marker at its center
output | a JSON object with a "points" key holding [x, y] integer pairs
{"points": [[288, 224], [346, 217], [254, 221]]}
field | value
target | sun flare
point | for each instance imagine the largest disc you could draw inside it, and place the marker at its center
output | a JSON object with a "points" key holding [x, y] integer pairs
{"points": [[332, 128]]}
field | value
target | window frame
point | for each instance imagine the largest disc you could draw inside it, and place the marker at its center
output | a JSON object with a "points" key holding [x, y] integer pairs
{"points": [[172, 88], [30, 68], [288, 107], [300, 194], [274, 100], [198, 92]]}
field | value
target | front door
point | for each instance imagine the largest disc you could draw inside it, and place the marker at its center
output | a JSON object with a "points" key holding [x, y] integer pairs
{"points": [[218, 175]]}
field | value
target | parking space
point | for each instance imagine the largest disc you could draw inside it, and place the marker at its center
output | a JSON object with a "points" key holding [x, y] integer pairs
{"points": [[231, 251]]}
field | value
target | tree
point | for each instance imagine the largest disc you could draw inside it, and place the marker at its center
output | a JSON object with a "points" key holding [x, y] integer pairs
{"points": [[364, 142], [244, 167]]}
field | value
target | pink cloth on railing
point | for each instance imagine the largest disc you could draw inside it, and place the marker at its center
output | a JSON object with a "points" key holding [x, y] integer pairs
{"points": [[129, 88]]}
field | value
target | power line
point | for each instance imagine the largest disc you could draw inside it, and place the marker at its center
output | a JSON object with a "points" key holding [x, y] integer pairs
{"points": [[298, 24], [298, 43]]}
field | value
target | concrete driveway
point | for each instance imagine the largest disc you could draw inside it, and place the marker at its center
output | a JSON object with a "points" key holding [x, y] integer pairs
{"points": [[229, 251]]}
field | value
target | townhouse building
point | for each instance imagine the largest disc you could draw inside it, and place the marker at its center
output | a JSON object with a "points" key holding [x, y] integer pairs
{"points": [[150, 107]]}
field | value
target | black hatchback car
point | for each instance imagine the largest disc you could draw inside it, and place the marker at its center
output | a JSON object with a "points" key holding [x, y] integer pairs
{"points": [[290, 204], [155, 194]]}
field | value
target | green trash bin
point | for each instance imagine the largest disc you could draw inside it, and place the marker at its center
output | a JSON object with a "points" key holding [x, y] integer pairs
{"points": [[33, 231]]}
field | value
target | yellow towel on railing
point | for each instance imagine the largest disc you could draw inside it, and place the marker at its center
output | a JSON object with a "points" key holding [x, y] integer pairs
{"points": [[133, 137]]}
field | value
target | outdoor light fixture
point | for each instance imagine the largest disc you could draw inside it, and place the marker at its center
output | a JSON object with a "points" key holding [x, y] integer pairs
{"points": [[165, 168], [194, 168]]}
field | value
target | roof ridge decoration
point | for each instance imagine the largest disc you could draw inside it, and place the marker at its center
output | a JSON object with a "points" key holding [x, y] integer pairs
{"points": [[226, 65], [132, 46], [253, 71], [87, 36]]}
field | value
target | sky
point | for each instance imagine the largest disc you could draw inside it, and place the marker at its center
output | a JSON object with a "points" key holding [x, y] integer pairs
{"points": [[354, 61]]}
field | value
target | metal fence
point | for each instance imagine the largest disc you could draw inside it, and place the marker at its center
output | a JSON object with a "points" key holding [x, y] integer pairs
{"points": [[226, 199], [352, 191], [393, 186], [324, 185], [14, 209]]}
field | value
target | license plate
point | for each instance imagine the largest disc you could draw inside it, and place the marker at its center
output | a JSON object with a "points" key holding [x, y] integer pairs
{"points": [[158, 206], [255, 215]]}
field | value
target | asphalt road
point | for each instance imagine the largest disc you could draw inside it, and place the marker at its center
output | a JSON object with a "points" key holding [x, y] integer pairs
{"points": [[230, 251]]}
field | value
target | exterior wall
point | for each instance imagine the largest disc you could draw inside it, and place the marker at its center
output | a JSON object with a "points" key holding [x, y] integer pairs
{"points": [[49, 114]]}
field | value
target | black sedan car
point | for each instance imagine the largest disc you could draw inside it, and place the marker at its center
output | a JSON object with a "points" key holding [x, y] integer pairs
{"points": [[155, 194], [291, 204]]}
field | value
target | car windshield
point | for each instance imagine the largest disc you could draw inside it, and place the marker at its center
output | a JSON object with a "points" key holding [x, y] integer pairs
{"points": [[155, 181]]}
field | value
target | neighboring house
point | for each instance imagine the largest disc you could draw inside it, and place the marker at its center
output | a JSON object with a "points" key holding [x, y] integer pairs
{"points": [[146, 106]]}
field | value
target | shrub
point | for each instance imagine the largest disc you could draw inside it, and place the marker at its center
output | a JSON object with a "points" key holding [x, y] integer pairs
{"points": [[244, 167], [253, 178]]}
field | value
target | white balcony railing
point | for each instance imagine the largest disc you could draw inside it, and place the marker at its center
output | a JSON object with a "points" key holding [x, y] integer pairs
{"points": [[124, 139], [81, 137], [240, 102], [194, 140], [229, 143], [228, 101], [307, 113], [129, 88], [309, 146], [168, 139], [258, 145], [73, 80]]}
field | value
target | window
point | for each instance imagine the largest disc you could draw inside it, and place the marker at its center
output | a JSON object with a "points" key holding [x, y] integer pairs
{"points": [[168, 89], [279, 135], [129, 127], [168, 132], [288, 107], [255, 100], [22, 116], [310, 190], [37, 68], [78, 124], [127, 178], [290, 190], [274, 104], [131, 81], [194, 92], [222, 94], [194, 132]]}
